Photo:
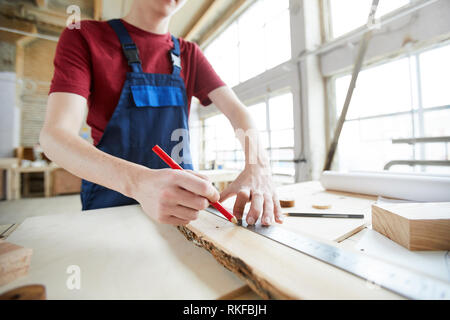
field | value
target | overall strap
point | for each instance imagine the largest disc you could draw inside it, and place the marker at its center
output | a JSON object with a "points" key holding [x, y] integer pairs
{"points": [[129, 47], [175, 57]]}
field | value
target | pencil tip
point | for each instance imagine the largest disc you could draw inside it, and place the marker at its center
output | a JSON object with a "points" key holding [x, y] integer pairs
{"points": [[234, 220]]}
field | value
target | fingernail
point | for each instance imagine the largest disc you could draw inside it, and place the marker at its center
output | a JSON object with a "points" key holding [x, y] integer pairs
{"points": [[267, 220], [251, 220]]}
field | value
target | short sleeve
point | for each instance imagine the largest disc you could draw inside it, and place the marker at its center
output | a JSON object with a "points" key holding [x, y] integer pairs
{"points": [[72, 64], [206, 79]]}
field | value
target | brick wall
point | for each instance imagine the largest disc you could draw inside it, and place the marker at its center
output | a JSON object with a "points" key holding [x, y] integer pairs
{"points": [[37, 66]]}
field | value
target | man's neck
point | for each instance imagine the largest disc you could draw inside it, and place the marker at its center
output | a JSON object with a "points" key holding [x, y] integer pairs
{"points": [[148, 22]]}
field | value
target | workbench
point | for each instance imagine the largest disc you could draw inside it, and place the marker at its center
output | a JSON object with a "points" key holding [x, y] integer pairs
{"points": [[123, 254], [8, 165], [19, 170]]}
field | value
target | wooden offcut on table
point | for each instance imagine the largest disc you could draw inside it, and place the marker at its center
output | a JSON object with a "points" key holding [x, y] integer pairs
{"points": [[14, 261], [416, 226]]}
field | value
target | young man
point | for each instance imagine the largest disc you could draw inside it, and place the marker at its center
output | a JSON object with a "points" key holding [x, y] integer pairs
{"points": [[137, 81]]}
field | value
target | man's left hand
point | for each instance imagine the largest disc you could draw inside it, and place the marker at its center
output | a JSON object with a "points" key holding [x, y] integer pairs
{"points": [[255, 185]]}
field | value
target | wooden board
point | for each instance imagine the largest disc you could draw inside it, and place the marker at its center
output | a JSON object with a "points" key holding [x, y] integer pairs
{"points": [[273, 270], [416, 226], [122, 254], [14, 261], [276, 271], [308, 193]]}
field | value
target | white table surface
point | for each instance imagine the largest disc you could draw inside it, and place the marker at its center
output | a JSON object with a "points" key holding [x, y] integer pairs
{"points": [[122, 254]]}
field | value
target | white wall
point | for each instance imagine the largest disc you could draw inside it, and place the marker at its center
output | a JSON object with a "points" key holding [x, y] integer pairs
{"points": [[9, 115]]}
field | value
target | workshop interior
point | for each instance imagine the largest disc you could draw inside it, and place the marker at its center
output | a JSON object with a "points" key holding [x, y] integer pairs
{"points": [[349, 197]]}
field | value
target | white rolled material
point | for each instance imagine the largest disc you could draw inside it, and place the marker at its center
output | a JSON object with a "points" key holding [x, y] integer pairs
{"points": [[414, 187]]}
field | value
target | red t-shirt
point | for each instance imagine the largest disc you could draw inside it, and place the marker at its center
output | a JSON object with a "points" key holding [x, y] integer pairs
{"points": [[90, 62]]}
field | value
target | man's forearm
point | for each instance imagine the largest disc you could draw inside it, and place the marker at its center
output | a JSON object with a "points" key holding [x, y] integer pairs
{"points": [[250, 139], [246, 131], [86, 161]]}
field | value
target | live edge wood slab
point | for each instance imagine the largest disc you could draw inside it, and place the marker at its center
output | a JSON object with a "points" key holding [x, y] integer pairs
{"points": [[273, 270]]}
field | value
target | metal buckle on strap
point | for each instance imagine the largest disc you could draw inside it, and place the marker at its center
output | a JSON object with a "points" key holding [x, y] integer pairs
{"points": [[131, 53], [176, 60]]}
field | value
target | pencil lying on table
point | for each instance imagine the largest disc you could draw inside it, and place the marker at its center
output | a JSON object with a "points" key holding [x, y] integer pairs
{"points": [[326, 215], [171, 163]]}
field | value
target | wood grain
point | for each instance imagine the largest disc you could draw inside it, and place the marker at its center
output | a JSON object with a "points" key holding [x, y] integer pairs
{"points": [[275, 271], [31, 292], [416, 226], [287, 203], [14, 261]]}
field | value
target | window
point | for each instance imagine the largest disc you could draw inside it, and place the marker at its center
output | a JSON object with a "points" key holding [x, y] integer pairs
{"points": [[257, 41], [347, 15], [405, 98], [274, 118]]}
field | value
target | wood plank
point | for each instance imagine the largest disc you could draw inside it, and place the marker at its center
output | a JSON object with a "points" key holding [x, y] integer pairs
{"points": [[273, 270], [243, 293], [98, 9], [122, 254], [306, 195], [212, 7], [14, 261], [416, 226]]}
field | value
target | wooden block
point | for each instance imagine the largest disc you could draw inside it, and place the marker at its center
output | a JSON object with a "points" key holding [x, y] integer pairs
{"points": [[14, 261], [287, 203], [416, 226], [321, 206]]}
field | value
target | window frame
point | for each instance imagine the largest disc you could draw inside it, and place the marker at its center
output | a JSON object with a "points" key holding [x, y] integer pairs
{"points": [[249, 103], [417, 114]]}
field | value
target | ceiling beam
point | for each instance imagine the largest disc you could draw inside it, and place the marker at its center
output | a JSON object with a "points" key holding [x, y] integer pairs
{"points": [[98, 9], [41, 3], [212, 8]]}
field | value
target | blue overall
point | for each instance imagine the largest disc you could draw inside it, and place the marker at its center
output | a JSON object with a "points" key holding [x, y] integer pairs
{"points": [[151, 107]]}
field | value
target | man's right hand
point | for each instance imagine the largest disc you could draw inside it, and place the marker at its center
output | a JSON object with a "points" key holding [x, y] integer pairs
{"points": [[173, 196]]}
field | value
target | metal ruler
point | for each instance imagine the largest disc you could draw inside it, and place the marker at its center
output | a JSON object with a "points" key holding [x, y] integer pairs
{"points": [[402, 281]]}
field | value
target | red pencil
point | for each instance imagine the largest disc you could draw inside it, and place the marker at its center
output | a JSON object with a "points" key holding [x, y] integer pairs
{"points": [[171, 163]]}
